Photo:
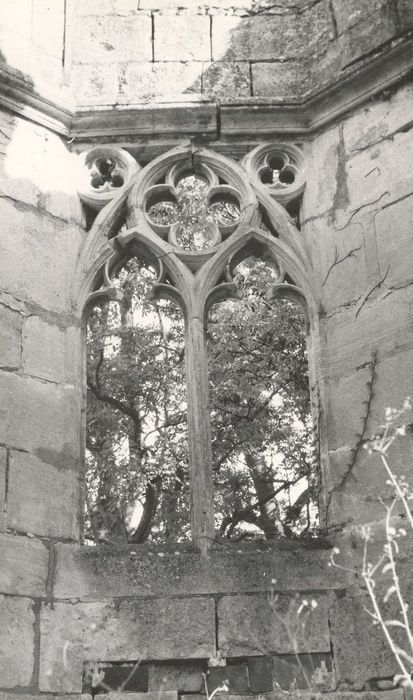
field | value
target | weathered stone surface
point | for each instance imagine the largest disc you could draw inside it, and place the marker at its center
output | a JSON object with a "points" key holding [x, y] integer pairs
{"points": [[353, 11], [45, 272], [90, 572], [281, 80], [162, 628], [24, 566], [45, 187], [48, 20], [184, 677], [95, 84], [16, 641], [119, 677], [393, 226], [10, 338], [22, 696], [165, 695], [235, 677], [362, 652], [3, 470], [350, 336], [104, 7], [368, 34], [265, 37], [51, 352], [405, 10], [257, 625], [28, 508], [381, 174], [396, 694], [16, 17], [339, 260], [111, 38], [359, 487], [374, 122], [226, 81], [194, 38], [304, 671], [346, 398], [166, 80], [322, 180], [40, 417], [260, 674]]}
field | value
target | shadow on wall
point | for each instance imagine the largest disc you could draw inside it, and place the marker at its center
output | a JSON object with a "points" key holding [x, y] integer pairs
{"points": [[230, 51]]}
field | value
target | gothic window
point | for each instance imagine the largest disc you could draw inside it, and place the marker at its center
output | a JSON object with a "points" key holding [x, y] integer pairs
{"points": [[197, 280]]}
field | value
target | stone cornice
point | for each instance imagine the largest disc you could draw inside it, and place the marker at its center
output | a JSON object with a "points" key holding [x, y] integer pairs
{"points": [[205, 119]]}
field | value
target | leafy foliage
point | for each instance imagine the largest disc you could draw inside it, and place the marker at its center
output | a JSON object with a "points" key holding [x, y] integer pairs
{"points": [[137, 469], [137, 458]]}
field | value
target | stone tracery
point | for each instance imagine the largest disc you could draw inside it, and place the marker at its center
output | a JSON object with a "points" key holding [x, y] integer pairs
{"points": [[197, 273]]}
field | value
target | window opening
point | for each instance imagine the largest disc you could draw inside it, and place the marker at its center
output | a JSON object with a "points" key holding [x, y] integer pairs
{"points": [[262, 436], [137, 444], [188, 212]]}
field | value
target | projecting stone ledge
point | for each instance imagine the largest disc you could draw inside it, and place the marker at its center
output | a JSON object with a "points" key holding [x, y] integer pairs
{"points": [[138, 570]]}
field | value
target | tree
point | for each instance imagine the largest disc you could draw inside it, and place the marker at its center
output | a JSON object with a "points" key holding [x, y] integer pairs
{"points": [[137, 458]]}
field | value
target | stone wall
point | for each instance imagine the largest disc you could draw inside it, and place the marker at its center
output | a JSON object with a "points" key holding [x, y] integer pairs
{"points": [[121, 52], [357, 212], [65, 607]]}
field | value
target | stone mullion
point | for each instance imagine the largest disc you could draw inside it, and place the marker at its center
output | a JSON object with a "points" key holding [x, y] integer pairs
{"points": [[199, 431]]}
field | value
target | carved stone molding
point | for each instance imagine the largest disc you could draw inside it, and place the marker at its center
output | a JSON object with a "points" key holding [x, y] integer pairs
{"points": [[279, 168], [258, 117], [107, 172]]}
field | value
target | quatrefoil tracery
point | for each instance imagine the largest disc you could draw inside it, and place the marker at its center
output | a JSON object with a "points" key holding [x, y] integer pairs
{"points": [[202, 211]]}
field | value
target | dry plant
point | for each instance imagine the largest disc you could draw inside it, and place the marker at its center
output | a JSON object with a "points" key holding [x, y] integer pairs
{"points": [[397, 630]]}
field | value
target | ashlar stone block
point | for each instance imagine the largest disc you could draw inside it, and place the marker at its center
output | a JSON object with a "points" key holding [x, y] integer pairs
{"points": [[266, 37], [258, 625], [107, 37], [183, 677], [3, 470], [339, 261], [10, 338], [381, 321], [394, 227], [153, 81], [378, 120], [174, 628], [48, 21], [24, 566], [28, 507], [95, 84], [226, 81], [22, 696], [282, 80], [40, 417], [48, 255], [136, 570], [16, 641], [361, 652], [382, 173], [321, 184], [51, 352], [353, 11], [182, 38]]}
